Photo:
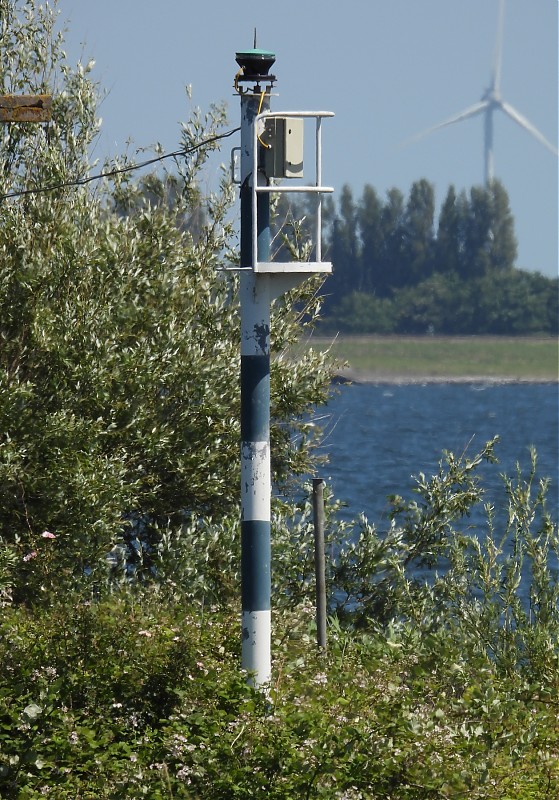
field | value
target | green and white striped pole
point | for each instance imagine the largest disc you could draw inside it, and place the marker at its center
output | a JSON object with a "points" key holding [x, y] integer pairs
{"points": [[255, 385], [261, 282]]}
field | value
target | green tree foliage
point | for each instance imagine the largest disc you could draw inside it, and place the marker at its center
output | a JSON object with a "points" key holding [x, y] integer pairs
{"points": [[489, 236], [119, 338], [503, 250], [369, 219], [418, 232], [450, 242], [399, 277], [392, 217], [344, 247]]}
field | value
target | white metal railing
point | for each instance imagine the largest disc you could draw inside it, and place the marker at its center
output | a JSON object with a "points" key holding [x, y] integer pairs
{"points": [[316, 188]]}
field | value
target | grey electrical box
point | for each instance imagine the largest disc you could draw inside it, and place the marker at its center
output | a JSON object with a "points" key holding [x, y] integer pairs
{"points": [[283, 157]]}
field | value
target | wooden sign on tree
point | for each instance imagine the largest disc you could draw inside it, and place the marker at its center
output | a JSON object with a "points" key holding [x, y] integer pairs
{"points": [[25, 108]]}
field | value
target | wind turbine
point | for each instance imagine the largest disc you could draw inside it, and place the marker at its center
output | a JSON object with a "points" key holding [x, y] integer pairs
{"points": [[492, 101]]}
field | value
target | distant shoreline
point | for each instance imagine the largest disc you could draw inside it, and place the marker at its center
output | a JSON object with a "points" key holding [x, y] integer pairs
{"points": [[440, 359], [366, 377]]}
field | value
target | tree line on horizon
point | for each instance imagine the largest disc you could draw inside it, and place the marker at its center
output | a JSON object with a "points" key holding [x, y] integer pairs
{"points": [[399, 269]]}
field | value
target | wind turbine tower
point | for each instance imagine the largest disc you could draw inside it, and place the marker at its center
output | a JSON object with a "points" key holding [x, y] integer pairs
{"points": [[490, 102]]}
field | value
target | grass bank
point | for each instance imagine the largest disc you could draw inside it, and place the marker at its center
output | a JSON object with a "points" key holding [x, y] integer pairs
{"points": [[445, 358]]}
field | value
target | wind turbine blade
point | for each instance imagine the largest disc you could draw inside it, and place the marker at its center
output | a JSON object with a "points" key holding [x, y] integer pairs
{"points": [[477, 108], [527, 125], [499, 50]]}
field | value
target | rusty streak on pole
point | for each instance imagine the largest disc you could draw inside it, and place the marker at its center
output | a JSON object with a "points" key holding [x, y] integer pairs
{"points": [[319, 561], [25, 108]]}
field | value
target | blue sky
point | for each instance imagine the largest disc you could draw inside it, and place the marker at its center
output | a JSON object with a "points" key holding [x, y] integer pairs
{"points": [[387, 68]]}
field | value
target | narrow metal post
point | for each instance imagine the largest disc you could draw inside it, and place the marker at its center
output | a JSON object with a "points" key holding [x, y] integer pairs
{"points": [[318, 230], [319, 561], [255, 405]]}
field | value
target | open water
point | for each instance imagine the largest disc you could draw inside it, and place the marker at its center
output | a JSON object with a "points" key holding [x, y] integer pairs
{"points": [[378, 436]]}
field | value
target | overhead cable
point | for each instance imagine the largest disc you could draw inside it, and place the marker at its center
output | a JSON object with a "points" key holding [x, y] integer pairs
{"points": [[119, 170]]}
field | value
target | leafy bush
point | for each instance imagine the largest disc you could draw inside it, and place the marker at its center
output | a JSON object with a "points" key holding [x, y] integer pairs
{"points": [[130, 698], [440, 683], [491, 590], [119, 332]]}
